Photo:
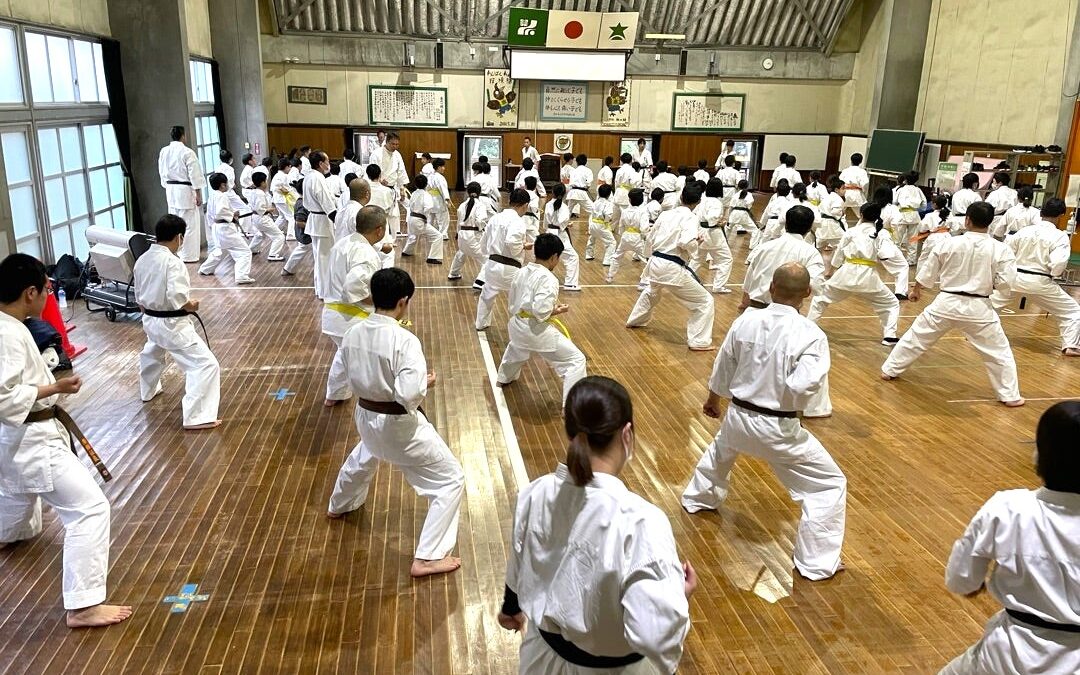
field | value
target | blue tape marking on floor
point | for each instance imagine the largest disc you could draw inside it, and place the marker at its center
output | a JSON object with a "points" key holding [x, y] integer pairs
{"points": [[181, 602], [280, 394]]}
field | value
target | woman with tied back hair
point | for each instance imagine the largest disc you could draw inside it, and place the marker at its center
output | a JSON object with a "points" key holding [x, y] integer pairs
{"points": [[593, 566], [1028, 542]]}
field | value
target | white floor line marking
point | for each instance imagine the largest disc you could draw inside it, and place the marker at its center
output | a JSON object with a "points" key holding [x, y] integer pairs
{"points": [[513, 450], [994, 400], [908, 316], [254, 288]]}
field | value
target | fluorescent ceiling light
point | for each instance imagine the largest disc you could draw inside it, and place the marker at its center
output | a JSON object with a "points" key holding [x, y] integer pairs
{"points": [[546, 64], [665, 36]]}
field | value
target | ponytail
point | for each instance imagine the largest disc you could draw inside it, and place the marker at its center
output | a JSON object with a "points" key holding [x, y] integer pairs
{"points": [[469, 207], [942, 203], [577, 460], [1027, 195], [560, 193], [473, 190], [744, 188]]}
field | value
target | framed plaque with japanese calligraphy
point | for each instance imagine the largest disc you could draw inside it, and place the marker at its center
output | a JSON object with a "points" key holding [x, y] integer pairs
{"points": [[390, 105], [707, 112], [310, 95], [564, 101]]}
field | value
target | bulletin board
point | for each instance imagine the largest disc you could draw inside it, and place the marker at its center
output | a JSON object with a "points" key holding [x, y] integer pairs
{"points": [[390, 105], [564, 101], [811, 151], [707, 112]]}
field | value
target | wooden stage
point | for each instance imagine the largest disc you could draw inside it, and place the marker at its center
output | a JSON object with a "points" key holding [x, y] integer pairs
{"points": [[240, 510]]}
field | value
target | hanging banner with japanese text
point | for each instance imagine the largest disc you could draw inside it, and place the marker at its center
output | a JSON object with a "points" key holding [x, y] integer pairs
{"points": [[616, 104], [500, 100]]}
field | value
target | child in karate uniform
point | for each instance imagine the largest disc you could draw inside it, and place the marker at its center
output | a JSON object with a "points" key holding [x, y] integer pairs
{"points": [[473, 215], [633, 222], [422, 223], [262, 217], [710, 213], [600, 223], [232, 248]]}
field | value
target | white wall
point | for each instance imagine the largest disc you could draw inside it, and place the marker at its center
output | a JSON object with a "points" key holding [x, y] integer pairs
{"points": [[993, 70], [197, 18], [857, 97], [84, 16]]}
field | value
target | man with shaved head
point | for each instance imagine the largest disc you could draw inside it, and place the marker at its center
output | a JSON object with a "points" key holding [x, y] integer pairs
{"points": [[772, 362]]}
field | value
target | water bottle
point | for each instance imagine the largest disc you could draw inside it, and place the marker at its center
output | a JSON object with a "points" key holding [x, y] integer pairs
{"points": [[61, 299], [1070, 225]]}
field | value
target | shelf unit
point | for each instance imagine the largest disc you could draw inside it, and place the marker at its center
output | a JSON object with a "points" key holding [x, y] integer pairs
{"points": [[1042, 170]]}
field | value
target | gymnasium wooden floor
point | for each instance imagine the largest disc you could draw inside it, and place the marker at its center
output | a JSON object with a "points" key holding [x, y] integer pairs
{"points": [[239, 510]]}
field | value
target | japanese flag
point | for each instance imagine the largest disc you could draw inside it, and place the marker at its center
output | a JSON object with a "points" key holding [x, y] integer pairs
{"points": [[618, 30], [573, 30]]}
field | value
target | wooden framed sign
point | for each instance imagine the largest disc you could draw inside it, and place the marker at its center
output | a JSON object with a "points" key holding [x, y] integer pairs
{"points": [[707, 112], [391, 105], [307, 95]]}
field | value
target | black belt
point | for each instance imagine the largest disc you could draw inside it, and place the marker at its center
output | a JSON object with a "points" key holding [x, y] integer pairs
{"points": [[1032, 620], [571, 653], [758, 304], [965, 294], [740, 208], [245, 215], [316, 213], [1039, 274], [578, 187], [60, 415], [764, 411], [707, 226], [532, 215], [176, 313], [418, 216], [678, 261], [554, 227], [468, 227], [222, 222], [833, 218], [178, 182], [668, 192], [495, 257]]}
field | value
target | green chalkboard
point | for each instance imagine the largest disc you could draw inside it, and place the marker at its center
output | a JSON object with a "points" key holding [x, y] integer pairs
{"points": [[893, 150]]}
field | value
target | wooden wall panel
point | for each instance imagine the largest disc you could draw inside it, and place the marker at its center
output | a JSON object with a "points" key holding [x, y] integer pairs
{"points": [[282, 138], [431, 140]]}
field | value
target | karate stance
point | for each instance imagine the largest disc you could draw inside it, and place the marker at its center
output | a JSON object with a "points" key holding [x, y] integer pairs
{"points": [[263, 214], [182, 177], [322, 209], [674, 240], [710, 213], [856, 181], [769, 365], [36, 462], [791, 246], [593, 570], [389, 376], [504, 244], [534, 328], [1022, 546], [601, 219], [473, 215], [232, 248], [557, 219], [423, 224], [633, 222], [163, 291], [967, 269], [1042, 253], [353, 261]]}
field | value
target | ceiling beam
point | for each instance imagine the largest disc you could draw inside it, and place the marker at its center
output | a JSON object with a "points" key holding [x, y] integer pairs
{"points": [[837, 23], [450, 18], [304, 4], [800, 6]]}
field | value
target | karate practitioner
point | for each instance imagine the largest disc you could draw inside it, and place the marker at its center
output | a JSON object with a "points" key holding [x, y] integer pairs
{"points": [[581, 178], [634, 222], [473, 215], [786, 171], [816, 191], [778, 172], [1022, 547], [626, 179], [967, 269], [1023, 213], [322, 209], [383, 197], [163, 291], [353, 261], [557, 219], [701, 175], [739, 215], [602, 589], [528, 152], [246, 186], [349, 165], [1042, 253], [832, 226], [674, 240], [36, 462], [263, 215], [710, 214], [182, 178], [606, 175], [642, 155], [910, 200], [389, 376], [529, 169], [721, 159], [934, 229], [504, 244], [440, 194], [283, 195], [770, 227], [534, 328], [890, 220], [1002, 198], [305, 160], [226, 167], [856, 182], [601, 218], [394, 177], [422, 228], [771, 362], [232, 248], [668, 182], [791, 246], [532, 216], [855, 263], [964, 198], [345, 222], [303, 241]]}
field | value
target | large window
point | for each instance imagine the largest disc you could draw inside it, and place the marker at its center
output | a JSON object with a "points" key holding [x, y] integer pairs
{"points": [[10, 80], [65, 70], [202, 82], [20, 185], [207, 145]]}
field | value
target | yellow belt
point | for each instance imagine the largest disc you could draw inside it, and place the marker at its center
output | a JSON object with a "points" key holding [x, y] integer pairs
{"points": [[907, 209], [435, 191], [553, 321], [348, 310], [861, 261], [631, 230], [626, 186], [815, 202], [598, 221]]}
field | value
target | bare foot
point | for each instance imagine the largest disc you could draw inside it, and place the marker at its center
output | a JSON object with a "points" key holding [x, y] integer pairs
{"points": [[423, 568], [334, 516], [1013, 404], [1072, 351], [330, 403], [208, 425], [887, 378], [710, 348], [98, 615]]}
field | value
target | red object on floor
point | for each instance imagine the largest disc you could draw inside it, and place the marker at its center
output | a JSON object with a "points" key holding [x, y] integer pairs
{"points": [[55, 318]]}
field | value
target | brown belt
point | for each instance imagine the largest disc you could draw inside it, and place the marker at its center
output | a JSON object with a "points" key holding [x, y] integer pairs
{"points": [[382, 407], [512, 262], [60, 415]]}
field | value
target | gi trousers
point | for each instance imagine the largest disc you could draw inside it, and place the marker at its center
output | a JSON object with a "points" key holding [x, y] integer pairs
{"points": [[565, 359], [321, 246], [429, 234], [202, 373], [571, 261], [468, 247], [232, 249], [885, 305], [1049, 296], [714, 243], [606, 239], [800, 463], [693, 296], [631, 243], [190, 250]]}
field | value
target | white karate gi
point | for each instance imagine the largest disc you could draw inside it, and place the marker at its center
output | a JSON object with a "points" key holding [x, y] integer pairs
{"points": [[719, 163], [232, 248], [264, 227], [305, 166], [909, 199], [519, 181], [301, 250], [605, 176], [771, 226], [856, 180], [605, 576], [784, 171], [504, 236], [489, 189], [36, 464], [642, 157], [939, 232], [816, 193], [532, 297], [530, 153], [959, 206], [321, 204], [1002, 198], [284, 196], [348, 166], [710, 213], [353, 261], [740, 217], [440, 195], [246, 187], [385, 362], [577, 192], [182, 178], [345, 222], [162, 284], [396, 177], [532, 217], [1026, 541], [625, 180], [832, 225], [422, 226], [632, 222], [557, 222], [471, 224], [855, 261], [776, 359], [675, 233], [383, 197], [1019, 216], [730, 177], [229, 172], [669, 183], [601, 217], [972, 263], [1042, 253], [702, 176]]}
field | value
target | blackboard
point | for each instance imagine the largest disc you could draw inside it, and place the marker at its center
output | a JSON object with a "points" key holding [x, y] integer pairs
{"points": [[894, 150]]}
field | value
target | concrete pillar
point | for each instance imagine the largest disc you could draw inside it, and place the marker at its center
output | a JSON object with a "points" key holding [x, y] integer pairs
{"points": [[154, 57], [907, 23], [234, 34], [1070, 82]]}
